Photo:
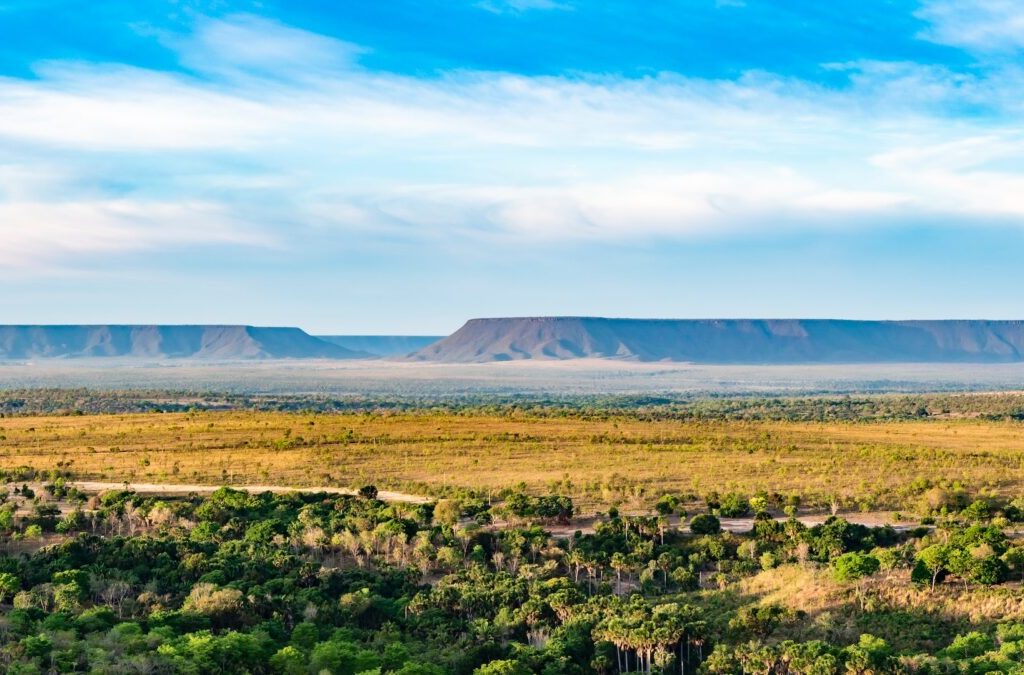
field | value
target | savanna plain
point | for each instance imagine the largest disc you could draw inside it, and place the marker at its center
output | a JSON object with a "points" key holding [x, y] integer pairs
{"points": [[197, 532], [598, 458]]}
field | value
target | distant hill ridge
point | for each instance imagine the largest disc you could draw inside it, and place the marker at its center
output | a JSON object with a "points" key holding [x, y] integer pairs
{"points": [[382, 345], [211, 342], [746, 341]]}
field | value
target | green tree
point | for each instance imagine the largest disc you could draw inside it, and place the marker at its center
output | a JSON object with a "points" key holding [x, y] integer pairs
{"points": [[342, 658], [869, 655], [447, 512], [705, 523], [969, 646], [305, 636], [667, 505], [289, 661], [854, 566], [934, 561], [734, 505], [9, 585], [1014, 558], [503, 667]]}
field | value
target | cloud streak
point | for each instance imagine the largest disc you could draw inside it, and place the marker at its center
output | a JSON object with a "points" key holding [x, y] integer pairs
{"points": [[984, 26], [519, 6], [38, 234]]}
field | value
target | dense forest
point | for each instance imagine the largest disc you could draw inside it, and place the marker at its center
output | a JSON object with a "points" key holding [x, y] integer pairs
{"points": [[311, 583]]}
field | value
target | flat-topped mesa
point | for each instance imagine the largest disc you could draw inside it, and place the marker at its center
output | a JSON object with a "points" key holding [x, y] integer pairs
{"points": [[746, 341], [215, 342]]}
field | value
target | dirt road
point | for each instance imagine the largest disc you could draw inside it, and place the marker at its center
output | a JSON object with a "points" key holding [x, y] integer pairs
{"points": [[186, 488], [584, 524], [740, 525], [744, 525]]}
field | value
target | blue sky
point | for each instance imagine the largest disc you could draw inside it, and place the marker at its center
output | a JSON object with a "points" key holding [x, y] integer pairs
{"points": [[400, 166]]}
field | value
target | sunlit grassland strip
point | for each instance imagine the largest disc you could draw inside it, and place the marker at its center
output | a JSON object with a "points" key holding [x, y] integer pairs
{"points": [[598, 461]]}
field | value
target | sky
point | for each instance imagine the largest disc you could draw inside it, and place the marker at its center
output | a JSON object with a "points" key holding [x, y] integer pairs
{"points": [[372, 167]]}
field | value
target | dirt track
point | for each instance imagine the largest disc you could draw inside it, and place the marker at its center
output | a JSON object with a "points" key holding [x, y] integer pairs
{"points": [[743, 525], [584, 524], [186, 488]]}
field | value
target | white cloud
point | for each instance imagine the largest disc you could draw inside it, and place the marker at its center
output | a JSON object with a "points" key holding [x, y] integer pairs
{"points": [[699, 202], [978, 25], [280, 130], [957, 176], [34, 234], [119, 108]]}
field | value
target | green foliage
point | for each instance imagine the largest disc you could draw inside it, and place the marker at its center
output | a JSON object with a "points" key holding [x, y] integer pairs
{"points": [[705, 523], [548, 508], [503, 667], [9, 585], [854, 566], [289, 661], [734, 505], [968, 646], [309, 583], [760, 621], [667, 505]]}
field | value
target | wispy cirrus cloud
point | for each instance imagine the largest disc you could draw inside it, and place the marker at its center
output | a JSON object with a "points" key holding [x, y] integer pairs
{"points": [[979, 25], [247, 44], [52, 235], [518, 6]]}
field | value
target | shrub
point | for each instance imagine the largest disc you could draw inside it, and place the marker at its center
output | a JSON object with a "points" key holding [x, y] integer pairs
{"points": [[734, 505], [705, 523], [988, 571], [667, 505], [978, 510]]}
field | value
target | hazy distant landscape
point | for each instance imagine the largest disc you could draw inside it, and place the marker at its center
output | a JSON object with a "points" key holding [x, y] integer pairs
{"points": [[523, 378], [527, 357]]}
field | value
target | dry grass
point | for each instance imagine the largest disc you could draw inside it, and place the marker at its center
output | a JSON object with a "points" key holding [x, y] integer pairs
{"points": [[888, 605], [602, 461]]}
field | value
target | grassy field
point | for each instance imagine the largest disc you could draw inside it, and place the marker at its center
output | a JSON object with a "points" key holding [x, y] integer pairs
{"points": [[874, 465]]}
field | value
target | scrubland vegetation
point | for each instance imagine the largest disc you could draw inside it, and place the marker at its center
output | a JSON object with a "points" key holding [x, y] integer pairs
{"points": [[557, 539], [885, 459]]}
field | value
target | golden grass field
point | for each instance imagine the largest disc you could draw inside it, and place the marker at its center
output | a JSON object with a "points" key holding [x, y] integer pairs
{"points": [[605, 461]]}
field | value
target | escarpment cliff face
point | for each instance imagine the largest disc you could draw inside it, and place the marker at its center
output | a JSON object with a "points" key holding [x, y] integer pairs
{"points": [[750, 341], [224, 343]]}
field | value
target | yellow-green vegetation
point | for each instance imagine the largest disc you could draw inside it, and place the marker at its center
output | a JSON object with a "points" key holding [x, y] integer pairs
{"points": [[624, 459], [307, 583], [882, 604], [700, 573]]}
